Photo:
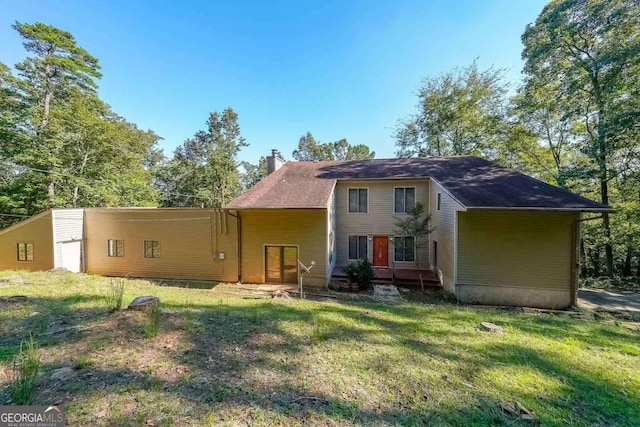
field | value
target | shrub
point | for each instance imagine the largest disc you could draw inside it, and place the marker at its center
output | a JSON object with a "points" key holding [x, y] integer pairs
{"points": [[24, 373], [115, 296], [360, 272]]}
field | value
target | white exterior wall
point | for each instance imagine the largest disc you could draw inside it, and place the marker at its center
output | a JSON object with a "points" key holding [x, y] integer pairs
{"points": [[68, 235]]}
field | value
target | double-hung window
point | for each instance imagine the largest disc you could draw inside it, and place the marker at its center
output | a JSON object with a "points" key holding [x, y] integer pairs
{"points": [[404, 199], [25, 251], [151, 249], [404, 249], [358, 200], [115, 248], [357, 247]]}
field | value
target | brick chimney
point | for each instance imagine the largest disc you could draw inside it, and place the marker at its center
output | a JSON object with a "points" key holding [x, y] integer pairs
{"points": [[274, 161]]}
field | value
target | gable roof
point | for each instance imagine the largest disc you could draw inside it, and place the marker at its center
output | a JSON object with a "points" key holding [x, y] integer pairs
{"points": [[473, 182]]}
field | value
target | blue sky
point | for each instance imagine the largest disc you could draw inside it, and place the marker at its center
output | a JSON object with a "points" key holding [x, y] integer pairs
{"points": [[338, 69]]}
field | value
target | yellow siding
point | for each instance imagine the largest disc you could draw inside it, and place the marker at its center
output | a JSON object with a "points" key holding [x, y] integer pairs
{"points": [[443, 222], [516, 249], [304, 228], [190, 240], [380, 219], [37, 230]]}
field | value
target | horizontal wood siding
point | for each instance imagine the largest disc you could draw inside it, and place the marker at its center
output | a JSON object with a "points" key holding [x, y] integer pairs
{"points": [[305, 228], [516, 249], [67, 227], [331, 230], [443, 222], [380, 219], [190, 241], [36, 230]]}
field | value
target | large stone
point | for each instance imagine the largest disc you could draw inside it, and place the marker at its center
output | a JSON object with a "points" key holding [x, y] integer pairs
{"points": [[386, 293], [144, 303], [490, 327], [63, 374]]}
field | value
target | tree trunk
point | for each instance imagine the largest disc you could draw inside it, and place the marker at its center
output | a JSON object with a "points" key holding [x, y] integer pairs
{"points": [[51, 193], [48, 74], [601, 158], [626, 268], [583, 259], [595, 262], [81, 172]]}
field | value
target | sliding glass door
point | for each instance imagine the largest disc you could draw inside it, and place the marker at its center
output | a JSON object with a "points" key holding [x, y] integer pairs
{"points": [[281, 264]]}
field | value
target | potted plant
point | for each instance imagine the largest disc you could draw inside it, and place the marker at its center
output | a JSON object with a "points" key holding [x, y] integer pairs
{"points": [[360, 274]]}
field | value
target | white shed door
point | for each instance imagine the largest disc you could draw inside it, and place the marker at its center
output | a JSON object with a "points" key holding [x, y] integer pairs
{"points": [[71, 256]]}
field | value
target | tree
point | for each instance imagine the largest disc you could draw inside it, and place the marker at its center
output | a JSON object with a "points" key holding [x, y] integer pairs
{"points": [[462, 112], [60, 145], [58, 67], [253, 173], [204, 169], [417, 226], [592, 49], [311, 150]]}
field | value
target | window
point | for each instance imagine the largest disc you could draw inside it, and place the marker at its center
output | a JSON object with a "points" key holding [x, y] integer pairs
{"points": [[404, 249], [358, 200], [151, 249], [358, 247], [438, 202], [404, 200], [115, 248], [25, 251]]}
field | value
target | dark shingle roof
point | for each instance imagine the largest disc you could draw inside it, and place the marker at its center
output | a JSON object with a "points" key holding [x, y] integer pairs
{"points": [[472, 181]]}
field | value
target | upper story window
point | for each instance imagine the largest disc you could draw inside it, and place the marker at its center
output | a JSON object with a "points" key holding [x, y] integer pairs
{"points": [[404, 199], [151, 249], [115, 248], [358, 200], [25, 251]]}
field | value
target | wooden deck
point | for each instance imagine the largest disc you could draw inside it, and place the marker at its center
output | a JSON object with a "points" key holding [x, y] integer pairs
{"points": [[404, 276]]}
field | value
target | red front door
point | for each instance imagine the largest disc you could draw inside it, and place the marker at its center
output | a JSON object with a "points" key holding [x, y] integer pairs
{"points": [[380, 251]]}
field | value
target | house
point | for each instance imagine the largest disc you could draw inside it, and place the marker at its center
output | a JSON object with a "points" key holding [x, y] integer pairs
{"points": [[500, 237]]}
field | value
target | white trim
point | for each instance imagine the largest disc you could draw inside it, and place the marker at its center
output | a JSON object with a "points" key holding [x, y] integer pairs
{"points": [[349, 204], [393, 196]]}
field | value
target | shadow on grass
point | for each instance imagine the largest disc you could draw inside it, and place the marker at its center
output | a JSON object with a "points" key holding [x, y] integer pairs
{"points": [[249, 363]]}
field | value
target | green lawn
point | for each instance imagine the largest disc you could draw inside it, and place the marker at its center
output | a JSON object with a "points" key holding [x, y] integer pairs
{"points": [[229, 356]]}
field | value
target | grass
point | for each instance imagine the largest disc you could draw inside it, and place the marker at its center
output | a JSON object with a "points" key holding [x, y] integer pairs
{"points": [[115, 295], [24, 373], [152, 326], [230, 357]]}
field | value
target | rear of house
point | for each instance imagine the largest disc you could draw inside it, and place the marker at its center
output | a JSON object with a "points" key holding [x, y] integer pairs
{"points": [[198, 244], [499, 237]]}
